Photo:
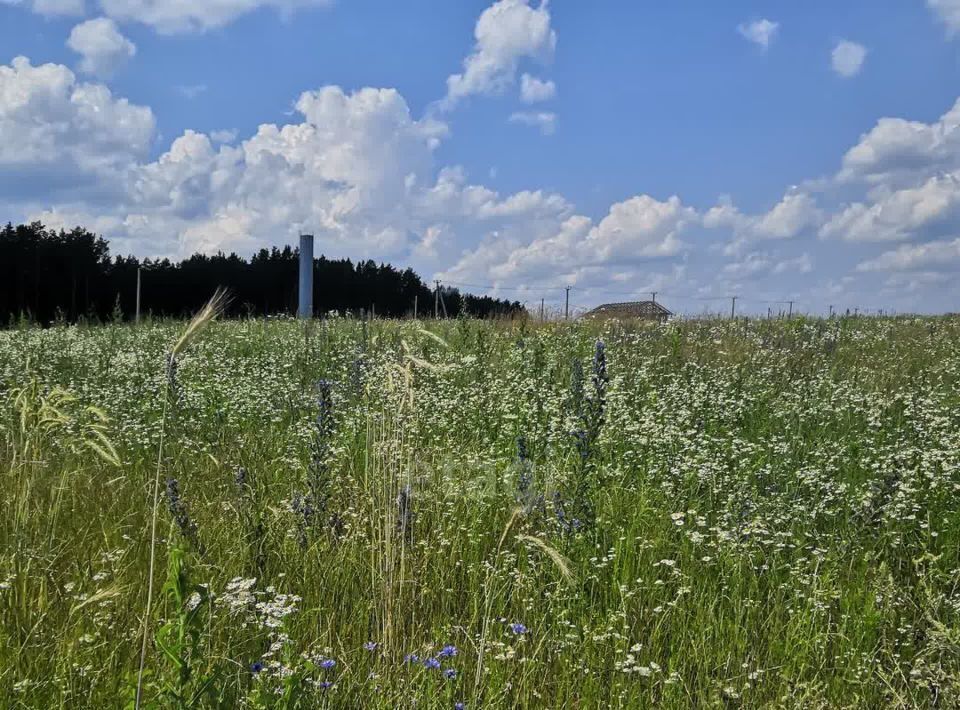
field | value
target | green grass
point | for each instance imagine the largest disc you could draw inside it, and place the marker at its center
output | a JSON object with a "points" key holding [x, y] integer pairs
{"points": [[769, 515]]}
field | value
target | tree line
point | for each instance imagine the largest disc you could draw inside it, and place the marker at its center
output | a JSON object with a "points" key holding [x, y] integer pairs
{"points": [[48, 275]]}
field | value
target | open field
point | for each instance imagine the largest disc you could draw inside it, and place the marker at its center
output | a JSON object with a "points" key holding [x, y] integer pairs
{"points": [[394, 514]]}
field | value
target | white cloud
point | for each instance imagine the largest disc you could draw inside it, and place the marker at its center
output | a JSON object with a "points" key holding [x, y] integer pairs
{"points": [[172, 16], [896, 147], [794, 215], [101, 46], [546, 121], [506, 33], [51, 124], [802, 264], [847, 58], [358, 171], [51, 8], [896, 215], [224, 135], [756, 265], [635, 230], [949, 13], [534, 90], [760, 32], [932, 256]]}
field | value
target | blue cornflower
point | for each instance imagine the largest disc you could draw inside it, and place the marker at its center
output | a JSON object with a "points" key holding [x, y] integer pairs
{"points": [[450, 674], [518, 629], [411, 658], [323, 685], [256, 667], [370, 646], [459, 706], [431, 664], [447, 652], [327, 663]]}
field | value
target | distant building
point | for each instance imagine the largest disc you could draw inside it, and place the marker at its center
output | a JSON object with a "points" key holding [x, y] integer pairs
{"points": [[641, 310]]}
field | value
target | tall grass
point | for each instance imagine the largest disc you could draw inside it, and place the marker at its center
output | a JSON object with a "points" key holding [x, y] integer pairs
{"points": [[772, 515]]}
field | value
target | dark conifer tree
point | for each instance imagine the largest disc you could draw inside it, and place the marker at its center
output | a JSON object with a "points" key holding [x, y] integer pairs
{"points": [[46, 275]]}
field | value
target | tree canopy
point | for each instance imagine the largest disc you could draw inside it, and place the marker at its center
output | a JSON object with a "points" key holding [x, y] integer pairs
{"points": [[48, 275]]}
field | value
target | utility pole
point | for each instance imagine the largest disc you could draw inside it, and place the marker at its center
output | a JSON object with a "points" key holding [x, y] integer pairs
{"points": [[831, 311], [138, 295], [436, 300], [541, 309], [566, 306], [653, 296], [856, 311], [733, 307], [790, 313]]}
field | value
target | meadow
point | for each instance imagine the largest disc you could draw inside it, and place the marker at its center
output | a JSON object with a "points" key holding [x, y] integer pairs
{"points": [[477, 514]]}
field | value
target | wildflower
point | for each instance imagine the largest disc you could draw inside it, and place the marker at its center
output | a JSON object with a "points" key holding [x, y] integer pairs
{"points": [[411, 658], [178, 509], [447, 652], [459, 706], [256, 667], [325, 684], [327, 663], [518, 629], [431, 664], [450, 674], [194, 601], [370, 646]]}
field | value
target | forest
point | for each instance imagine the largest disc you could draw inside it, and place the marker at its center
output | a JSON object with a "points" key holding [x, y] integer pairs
{"points": [[48, 275]]}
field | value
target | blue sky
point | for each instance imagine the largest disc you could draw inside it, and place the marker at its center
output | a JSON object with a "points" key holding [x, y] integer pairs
{"points": [[772, 150]]}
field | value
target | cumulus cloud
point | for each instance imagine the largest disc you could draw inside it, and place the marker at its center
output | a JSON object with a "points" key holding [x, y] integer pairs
{"points": [[948, 11], [760, 32], [102, 48], [633, 231], [224, 135], [357, 170], [847, 58], [546, 121], [795, 214], [506, 33], [895, 215], [534, 90], [932, 256], [55, 128], [896, 148]]}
